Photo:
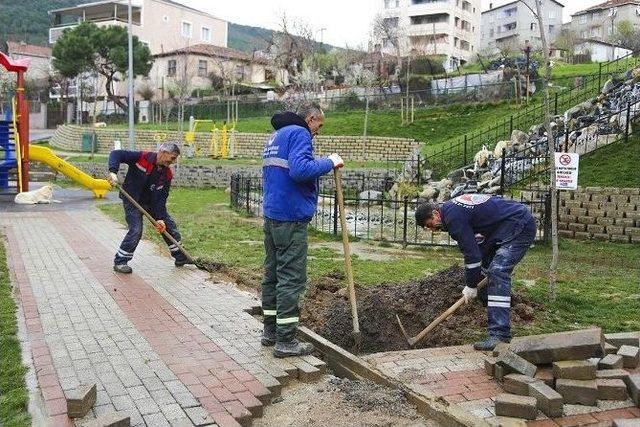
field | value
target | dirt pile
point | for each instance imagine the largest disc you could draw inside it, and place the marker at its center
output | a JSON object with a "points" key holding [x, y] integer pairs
{"points": [[326, 311]]}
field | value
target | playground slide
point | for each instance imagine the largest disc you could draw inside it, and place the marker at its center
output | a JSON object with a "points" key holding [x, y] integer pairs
{"points": [[44, 155]]}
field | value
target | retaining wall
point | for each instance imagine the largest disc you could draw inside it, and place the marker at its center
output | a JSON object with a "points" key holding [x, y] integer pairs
{"points": [[248, 145]]}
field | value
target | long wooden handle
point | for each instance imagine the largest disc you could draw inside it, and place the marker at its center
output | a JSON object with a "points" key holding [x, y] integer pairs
{"points": [[347, 251], [153, 221], [443, 316]]}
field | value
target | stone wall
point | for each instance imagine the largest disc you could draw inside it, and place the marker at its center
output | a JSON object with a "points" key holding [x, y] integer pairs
{"points": [[600, 213], [248, 145]]}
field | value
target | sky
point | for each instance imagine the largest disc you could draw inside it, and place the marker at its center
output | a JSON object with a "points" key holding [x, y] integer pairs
{"points": [[338, 22]]}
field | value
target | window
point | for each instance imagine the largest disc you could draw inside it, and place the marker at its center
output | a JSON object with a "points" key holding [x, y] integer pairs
{"points": [[388, 4], [533, 26], [202, 68], [491, 32], [187, 29], [240, 72], [583, 19], [206, 34], [165, 18], [552, 14], [171, 68], [552, 28]]}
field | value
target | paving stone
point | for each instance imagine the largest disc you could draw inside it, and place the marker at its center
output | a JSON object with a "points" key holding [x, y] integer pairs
{"points": [[517, 384], [490, 365], [545, 374], [499, 372], [583, 392], [575, 369], [273, 385], [630, 356], [113, 419], [572, 345], [511, 405], [633, 386], [628, 422], [512, 363], [612, 389], [307, 372], [80, 401], [548, 400], [610, 361]]}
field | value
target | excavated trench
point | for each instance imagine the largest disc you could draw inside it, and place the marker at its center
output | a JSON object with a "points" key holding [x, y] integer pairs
{"points": [[326, 310]]}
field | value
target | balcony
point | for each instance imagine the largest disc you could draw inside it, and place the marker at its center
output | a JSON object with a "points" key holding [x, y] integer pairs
{"points": [[113, 12], [428, 29], [430, 8]]}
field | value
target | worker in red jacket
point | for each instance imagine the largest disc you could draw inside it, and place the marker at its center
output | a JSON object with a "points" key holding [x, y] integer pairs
{"points": [[148, 181]]}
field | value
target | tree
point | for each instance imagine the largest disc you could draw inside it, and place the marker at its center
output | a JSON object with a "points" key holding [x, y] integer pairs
{"points": [[388, 33], [102, 50], [567, 41], [627, 36]]}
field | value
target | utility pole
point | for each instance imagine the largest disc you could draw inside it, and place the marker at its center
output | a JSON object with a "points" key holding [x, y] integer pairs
{"points": [[130, 81]]}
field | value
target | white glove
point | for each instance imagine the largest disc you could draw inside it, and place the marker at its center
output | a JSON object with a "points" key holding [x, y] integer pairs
{"points": [[469, 294], [113, 178], [337, 160]]}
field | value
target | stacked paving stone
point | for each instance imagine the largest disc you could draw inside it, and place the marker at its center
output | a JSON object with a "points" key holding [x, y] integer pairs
{"points": [[247, 145], [543, 373]]}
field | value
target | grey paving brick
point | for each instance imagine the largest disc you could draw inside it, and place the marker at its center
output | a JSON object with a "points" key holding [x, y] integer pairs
{"points": [[156, 420], [147, 406], [138, 392]]}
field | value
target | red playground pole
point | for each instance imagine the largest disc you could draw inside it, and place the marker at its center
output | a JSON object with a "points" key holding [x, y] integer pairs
{"points": [[23, 130]]}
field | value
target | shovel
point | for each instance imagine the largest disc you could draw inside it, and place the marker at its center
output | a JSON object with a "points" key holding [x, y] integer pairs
{"points": [[414, 340], [347, 261], [203, 265]]}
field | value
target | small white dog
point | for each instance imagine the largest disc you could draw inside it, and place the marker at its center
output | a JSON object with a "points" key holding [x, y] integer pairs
{"points": [[41, 195]]}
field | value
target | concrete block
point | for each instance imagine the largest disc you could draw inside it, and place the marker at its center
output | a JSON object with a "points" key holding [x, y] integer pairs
{"points": [[572, 345], [623, 338], [546, 376], [619, 198], [548, 400], [610, 361], [605, 221], [81, 400], [112, 419], [512, 363], [586, 219], [615, 230], [575, 369], [628, 224], [517, 384], [602, 237], [628, 422], [632, 231], [568, 218], [610, 348], [612, 374], [307, 372], [630, 356], [595, 229], [489, 366], [566, 233], [612, 389], [597, 213], [511, 405], [583, 392], [620, 238], [498, 372], [577, 227], [633, 386], [582, 235]]}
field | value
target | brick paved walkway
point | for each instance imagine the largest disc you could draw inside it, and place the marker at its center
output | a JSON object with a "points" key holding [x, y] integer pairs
{"points": [[457, 374], [165, 345]]}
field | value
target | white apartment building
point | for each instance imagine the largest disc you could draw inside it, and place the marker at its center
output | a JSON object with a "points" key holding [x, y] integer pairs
{"points": [[511, 25], [599, 22], [433, 27], [163, 25]]}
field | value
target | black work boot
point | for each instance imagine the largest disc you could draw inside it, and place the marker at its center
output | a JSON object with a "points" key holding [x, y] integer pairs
{"points": [[292, 348], [180, 262], [268, 335], [122, 268], [489, 344]]}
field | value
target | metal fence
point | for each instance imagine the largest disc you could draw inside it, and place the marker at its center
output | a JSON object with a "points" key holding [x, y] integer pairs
{"points": [[460, 152], [370, 213]]}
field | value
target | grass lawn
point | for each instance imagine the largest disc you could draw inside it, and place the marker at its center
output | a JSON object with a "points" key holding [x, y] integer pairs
{"points": [[597, 282], [613, 166], [14, 397]]}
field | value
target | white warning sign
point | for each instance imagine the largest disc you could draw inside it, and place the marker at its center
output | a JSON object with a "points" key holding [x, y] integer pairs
{"points": [[567, 170]]}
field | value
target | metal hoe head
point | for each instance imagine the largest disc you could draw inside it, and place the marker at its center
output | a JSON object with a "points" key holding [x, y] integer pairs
{"points": [[410, 340]]}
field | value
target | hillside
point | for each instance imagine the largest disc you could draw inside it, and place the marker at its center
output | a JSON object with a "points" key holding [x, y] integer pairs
{"points": [[28, 20]]}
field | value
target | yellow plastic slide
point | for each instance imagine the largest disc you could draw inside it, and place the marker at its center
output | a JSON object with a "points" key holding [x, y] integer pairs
{"points": [[44, 155]]}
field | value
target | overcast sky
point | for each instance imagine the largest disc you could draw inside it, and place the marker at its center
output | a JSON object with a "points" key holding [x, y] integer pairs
{"points": [[346, 22]]}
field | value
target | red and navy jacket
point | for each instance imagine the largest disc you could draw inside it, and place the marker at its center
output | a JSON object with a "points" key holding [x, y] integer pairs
{"points": [[498, 220], [146, 182]]}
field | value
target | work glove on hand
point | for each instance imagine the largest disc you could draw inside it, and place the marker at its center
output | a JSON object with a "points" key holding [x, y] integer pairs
{"points": [[161, 227], [113, 178], [469, 294], [337, 160]]}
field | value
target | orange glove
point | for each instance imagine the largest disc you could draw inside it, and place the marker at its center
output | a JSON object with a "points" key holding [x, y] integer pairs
{"points": [[161, 227]]}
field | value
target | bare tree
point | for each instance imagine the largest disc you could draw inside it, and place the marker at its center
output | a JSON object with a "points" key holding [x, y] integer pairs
{"points": [[180, 86], [389, 34]]}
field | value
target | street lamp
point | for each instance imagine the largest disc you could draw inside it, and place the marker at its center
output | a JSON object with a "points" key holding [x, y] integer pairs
{"points": [[130, 78]]}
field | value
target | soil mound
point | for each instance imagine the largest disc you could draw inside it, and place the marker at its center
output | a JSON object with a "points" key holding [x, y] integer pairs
{"points": [[326, 310]]}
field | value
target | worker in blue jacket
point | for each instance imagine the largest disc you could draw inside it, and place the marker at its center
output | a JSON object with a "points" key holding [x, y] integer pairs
{"points": [[493, 234], [290, 185], [148, 181]]}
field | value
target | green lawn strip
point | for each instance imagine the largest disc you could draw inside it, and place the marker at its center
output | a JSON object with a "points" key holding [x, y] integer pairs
{"points": [[615, 165], [14, 396], [596, 281]]}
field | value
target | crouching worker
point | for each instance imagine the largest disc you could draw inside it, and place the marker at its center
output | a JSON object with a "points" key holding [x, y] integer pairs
{"points": [[493, 234], [148, 182], [290, 174]]}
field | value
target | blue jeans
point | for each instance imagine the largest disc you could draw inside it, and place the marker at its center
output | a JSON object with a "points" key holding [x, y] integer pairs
{"points": [[130, 242], [499, 270]]}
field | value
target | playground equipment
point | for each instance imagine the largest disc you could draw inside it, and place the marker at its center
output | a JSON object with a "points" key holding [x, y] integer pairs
{"points": [[221, 143], [17, 152]]}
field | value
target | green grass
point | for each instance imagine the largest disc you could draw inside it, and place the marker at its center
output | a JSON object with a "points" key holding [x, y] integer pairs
{"points": [[14, 396], [613, 166], [597, 282]]}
